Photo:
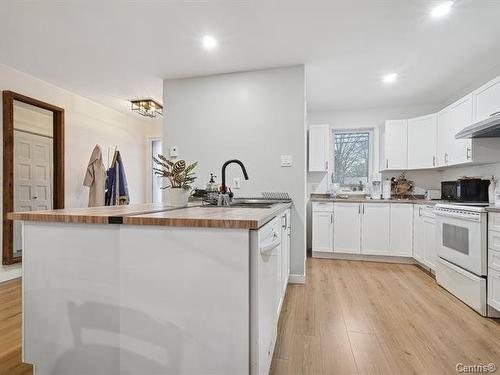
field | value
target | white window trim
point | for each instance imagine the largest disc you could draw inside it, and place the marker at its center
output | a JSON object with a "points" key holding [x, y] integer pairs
{"points": [[371, 153], [149, 167]]}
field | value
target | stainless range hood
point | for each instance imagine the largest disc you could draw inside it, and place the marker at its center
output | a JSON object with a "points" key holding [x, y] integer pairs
{"points": [[488, 128]]}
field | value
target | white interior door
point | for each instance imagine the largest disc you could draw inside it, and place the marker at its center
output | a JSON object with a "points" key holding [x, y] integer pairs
{"points": [[32, 177]]}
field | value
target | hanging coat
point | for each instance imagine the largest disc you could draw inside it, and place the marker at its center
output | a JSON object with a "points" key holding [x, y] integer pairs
{"points": [[95, 178], [116, 183]]}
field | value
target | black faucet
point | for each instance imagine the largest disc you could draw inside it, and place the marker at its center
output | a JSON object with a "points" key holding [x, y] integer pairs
{"points": [[223, 188]]}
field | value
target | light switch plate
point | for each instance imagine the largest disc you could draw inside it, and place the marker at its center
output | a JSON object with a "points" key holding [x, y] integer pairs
{"points": [[173, 151], [286, 160]]}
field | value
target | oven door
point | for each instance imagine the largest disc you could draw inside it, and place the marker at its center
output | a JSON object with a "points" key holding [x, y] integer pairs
{"points": [[461, 239]]}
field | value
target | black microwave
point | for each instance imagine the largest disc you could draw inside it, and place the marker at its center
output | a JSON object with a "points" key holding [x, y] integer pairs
{"points": [[467, 190]]}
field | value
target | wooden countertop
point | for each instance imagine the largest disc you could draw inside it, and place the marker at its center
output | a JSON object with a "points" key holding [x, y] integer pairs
{"points": [[210, 217], [88, 215], [160, 214]]}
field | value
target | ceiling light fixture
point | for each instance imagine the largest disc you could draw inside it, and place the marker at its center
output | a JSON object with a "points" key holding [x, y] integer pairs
{"points": [[390, 78], [147, 107], [442, 9], [209, 42]]}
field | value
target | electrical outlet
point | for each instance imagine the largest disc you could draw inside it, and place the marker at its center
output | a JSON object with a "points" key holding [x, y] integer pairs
{"points": [[173, 151], [236, 183], [286, 160]]}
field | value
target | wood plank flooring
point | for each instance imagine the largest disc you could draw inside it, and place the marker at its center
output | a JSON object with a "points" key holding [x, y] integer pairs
{"points": [[349, 318], [378, 318], [10, 330]]}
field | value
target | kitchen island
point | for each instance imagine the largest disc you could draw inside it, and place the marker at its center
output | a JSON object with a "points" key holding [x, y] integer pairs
{"points": [[146, 289]]}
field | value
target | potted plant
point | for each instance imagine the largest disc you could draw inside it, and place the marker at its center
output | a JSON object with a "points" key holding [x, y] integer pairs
{"points": [[180, 177]]}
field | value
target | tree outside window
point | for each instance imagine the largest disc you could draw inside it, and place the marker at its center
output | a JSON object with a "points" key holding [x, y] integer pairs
{"points": [[351, 167]]}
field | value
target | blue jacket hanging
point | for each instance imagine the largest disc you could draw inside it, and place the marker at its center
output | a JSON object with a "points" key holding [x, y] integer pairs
{"points": [[116, 183]]}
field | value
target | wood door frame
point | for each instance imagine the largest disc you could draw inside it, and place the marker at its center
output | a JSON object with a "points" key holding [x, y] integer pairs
{"points": [[8, 164]]}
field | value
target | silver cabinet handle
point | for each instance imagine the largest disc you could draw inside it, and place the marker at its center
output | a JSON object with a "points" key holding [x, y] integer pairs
{"points": [[469, 156], [359, 209], [433, 161], [326, 165], [495, 113], [387, 163], [363, 209], [331, 218], [446, 158]]}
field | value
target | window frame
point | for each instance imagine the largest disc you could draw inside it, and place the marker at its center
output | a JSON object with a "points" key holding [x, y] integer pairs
{"points": [[371, 153]]}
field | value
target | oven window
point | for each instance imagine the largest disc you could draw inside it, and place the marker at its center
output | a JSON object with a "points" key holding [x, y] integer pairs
{"points": [[456, 238]]}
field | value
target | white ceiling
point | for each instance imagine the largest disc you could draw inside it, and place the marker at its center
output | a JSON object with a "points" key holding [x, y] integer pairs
{"points": [[112, 51]]}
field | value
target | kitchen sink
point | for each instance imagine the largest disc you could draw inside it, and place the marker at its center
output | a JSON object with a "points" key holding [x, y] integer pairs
{"points": [[252, 203]]}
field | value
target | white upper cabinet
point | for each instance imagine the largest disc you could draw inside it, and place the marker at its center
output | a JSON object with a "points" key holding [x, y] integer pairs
{"points": [[375, 227], [486, 100], [396, 144], [451, 120], [422, 142], [319, 148]]}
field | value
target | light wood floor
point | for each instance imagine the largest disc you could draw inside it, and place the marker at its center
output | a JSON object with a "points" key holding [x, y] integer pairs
{"points": [[378, 318], [349, 318], [10, 330]]}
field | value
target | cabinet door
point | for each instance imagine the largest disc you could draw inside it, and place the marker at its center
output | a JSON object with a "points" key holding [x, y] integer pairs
{"points": [[460, 117], [418, 235], [401, 239], [429, 227], [319, 148], [375, 226], [486, 100], [347, 228], [285, 249], [322, 231], [443, 137], [494, 288], [396, 144], [422, 142]]}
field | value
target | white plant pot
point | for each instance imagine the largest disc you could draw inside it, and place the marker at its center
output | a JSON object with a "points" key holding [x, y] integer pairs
{"points": [[176, 197]]}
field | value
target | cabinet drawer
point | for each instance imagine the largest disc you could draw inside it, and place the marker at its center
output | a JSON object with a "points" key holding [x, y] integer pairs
{"points": [[322, 206], [494, 289], [494, 240], [494, 259], [494, 221]]}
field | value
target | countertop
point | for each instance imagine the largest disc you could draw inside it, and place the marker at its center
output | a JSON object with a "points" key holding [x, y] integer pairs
{"points": [[194, 215], [210, 217], [327, 198]]}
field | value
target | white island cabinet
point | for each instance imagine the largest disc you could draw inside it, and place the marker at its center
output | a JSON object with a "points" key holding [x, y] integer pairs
{"points": [[153, 291]]}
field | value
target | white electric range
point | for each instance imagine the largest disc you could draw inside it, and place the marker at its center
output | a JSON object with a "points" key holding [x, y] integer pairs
{"points": [[462, 248]]}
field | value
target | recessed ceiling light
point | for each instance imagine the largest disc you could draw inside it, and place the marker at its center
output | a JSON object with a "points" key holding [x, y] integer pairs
{"points": [[390, 78], [209, 42], [442, 9]]}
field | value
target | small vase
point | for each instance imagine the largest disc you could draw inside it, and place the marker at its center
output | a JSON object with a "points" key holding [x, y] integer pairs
{"points": [[176, 197]]}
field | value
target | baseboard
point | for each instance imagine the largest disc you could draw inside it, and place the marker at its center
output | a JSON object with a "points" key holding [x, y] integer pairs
{"points": [[296, 279], [10, 272], [364, 257]]}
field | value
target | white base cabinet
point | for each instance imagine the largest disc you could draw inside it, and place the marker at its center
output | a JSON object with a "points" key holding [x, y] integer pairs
{"points": [[322, 227], [424, 236], [347, 228], [401, 242], [375, 228]]}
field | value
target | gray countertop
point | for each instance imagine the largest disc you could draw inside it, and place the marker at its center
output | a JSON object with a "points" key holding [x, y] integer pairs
{"points": [[327, 198]]}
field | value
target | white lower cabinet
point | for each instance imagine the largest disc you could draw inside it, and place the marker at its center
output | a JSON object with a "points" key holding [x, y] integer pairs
{"points": [[424, 236], [401, 239], [375, 228], [494, 288], [347, 227], [322, 228]]}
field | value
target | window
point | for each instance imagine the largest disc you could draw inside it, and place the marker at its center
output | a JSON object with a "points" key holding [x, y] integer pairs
{"points": [[351, 159]]}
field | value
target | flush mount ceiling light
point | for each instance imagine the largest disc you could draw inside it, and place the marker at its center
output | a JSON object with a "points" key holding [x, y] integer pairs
{"points": [[390, 78], [442, 9], [147, 107], [209, 42]]}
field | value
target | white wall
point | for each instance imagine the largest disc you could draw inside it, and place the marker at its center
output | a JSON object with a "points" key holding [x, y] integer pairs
{"points": [[87, 123], [252, 116]]}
